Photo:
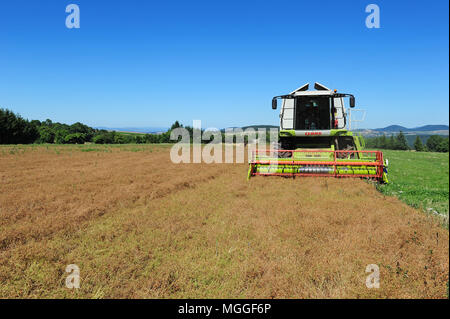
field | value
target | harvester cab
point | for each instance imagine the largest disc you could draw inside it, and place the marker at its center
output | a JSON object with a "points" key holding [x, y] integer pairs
{"points": [[314, 139]]}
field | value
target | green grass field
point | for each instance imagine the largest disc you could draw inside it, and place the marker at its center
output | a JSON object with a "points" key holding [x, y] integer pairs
{"points": [[419, 179]]}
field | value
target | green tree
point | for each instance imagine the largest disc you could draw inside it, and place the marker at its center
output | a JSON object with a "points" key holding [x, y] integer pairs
{"points": [[46, 134], [36, 123], [383, 142], [16, 130], [400, 142], [150, 138], [119, 139], [434, 142], [164, 137], [418, 145], [60, 135], [103, 138], [82, 128], [175, 125], [75, 138], [391, 145], [443, 146]]}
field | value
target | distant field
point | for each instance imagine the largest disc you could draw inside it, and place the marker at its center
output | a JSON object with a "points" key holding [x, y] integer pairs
{"points": [[140, 226], [131, 133], [421, 179]]}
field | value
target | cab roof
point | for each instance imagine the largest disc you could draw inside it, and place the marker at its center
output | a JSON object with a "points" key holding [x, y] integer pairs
{"points": [[320, 90]]}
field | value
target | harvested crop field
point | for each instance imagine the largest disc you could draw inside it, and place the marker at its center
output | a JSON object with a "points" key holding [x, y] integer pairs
{"points": [[139, 226]]}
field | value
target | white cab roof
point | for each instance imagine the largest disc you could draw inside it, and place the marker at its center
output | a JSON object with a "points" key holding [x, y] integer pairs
{"points": [[320, 90]]}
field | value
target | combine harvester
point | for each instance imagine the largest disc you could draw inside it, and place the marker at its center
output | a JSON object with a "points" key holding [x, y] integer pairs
{"points": [[314, 140]]}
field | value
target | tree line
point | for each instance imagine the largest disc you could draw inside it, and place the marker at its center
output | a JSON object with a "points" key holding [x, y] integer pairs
{"points": [[435, 143], [16, 130]]}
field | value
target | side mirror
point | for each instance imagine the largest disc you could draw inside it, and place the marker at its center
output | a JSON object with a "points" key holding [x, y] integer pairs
{"points": [[352, 101], [274, 103]]}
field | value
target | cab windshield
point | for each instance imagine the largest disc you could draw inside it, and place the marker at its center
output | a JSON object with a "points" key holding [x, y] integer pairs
{"points": [[312, 113]]}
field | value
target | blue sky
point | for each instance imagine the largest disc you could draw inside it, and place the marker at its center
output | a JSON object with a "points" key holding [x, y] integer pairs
{"points": [[149, 63]]}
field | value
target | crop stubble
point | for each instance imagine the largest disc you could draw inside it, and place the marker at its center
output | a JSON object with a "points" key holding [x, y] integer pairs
{"points": [[139, 226]]}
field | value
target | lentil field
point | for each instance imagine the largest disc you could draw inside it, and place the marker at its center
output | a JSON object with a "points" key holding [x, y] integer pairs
{"points": [[139, 226]]}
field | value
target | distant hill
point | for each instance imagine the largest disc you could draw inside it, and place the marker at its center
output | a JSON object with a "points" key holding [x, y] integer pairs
{"points": [[135, 129], [392, 128], [425, 128], [431, 128], [260, 126]]}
